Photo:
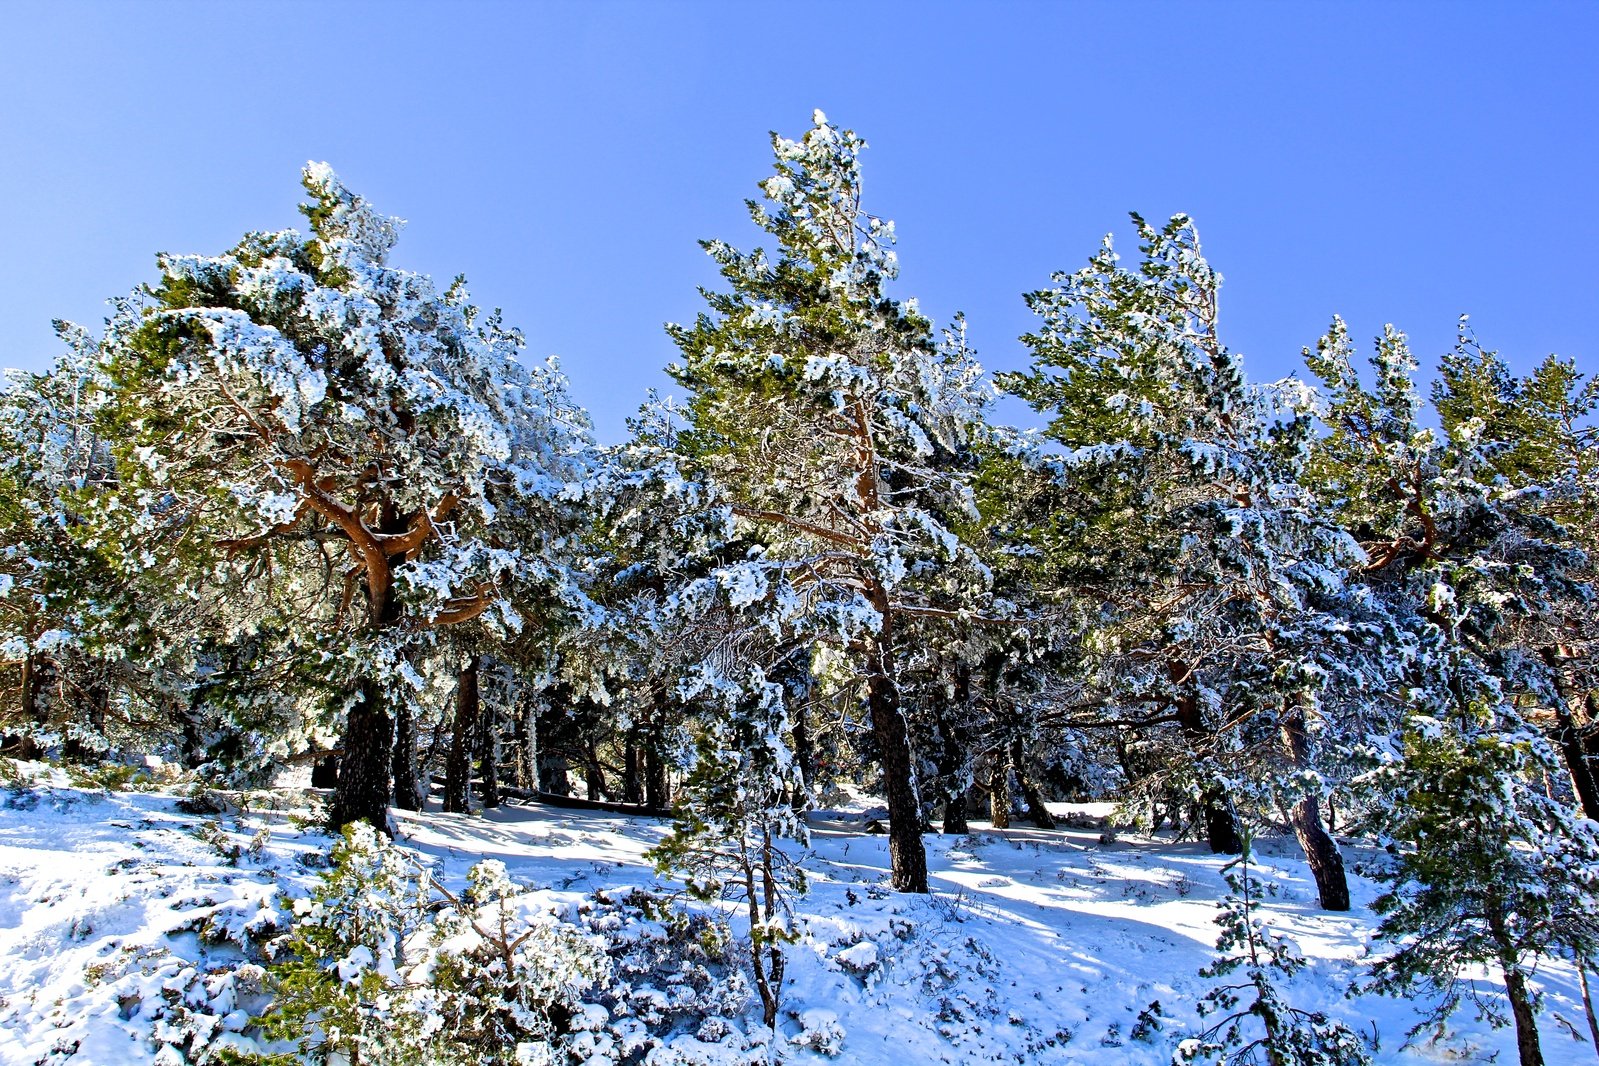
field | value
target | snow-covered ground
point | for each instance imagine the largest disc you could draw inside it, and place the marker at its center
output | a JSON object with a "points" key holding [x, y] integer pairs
{"points": [[1034, 947]]}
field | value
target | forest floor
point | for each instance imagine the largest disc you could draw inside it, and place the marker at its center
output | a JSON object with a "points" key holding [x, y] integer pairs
{"points": [[1034, 946]]}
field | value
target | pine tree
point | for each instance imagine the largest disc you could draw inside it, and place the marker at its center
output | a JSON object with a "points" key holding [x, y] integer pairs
{"points": [[1484, 867], [1172, 524], [1287, 1035], [298, 413], [824, 410]]}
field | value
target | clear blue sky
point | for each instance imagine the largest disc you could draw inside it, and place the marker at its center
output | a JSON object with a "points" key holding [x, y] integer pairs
{"points": [[1401, 162]]}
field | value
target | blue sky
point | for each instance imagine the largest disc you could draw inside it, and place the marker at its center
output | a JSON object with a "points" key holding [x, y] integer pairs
{"points": [[1390, 162]]}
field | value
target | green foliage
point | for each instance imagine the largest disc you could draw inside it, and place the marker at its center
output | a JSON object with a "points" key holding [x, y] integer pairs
{"points": [[1483, 866], [732, 815], [385, 966], [1256, 1023]]}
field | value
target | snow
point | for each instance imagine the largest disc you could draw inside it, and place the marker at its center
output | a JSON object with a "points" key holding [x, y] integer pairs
{"points": [[120, 916]]}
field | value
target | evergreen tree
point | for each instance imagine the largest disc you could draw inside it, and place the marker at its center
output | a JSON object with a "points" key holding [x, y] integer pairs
{"points": [[823, 410], [299, 404]]}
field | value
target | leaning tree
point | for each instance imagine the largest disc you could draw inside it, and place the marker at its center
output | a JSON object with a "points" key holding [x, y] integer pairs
{"points": [[296, 413]]}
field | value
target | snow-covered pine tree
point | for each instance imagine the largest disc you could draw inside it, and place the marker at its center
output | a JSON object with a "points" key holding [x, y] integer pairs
{"points": [[296, 410], [1286, 1035], [823, 410], [736, 810], [59, 611], [1536, 436], [1485, 865], [1173, 521]]}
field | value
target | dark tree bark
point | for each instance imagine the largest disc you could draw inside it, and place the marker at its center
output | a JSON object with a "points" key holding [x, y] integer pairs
{"points": [[489, 759], [1521, 1010], [407, 782], [463, 727], [657, 787], [1222, 831], [1569, 737], [632, 771], [1032, 800], [96, 697], [325, 772], [804, 755], [594, 771], [999, 795], [36, 673], [907, 855], [953, 772], [1321, 850], [524, 774], [362, 792]]}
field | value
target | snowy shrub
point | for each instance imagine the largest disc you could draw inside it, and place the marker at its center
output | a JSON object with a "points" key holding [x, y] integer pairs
{"points": [[677, 975], [731, 818], [384, 965], [819, 1032]]}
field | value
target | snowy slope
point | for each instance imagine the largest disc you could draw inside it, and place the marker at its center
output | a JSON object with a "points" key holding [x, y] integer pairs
{"points": [[1035, 947]]}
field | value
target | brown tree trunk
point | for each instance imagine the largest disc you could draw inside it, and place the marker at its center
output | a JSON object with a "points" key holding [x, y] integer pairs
{"points": [[804, 758], [953, 772], [1321, 850], [594, 772], [36, 670], [1569, 737], [907, 855], [458, 763], [632, 772], [96, 697], [657, 788], [362, 792], [1527, 1047]]}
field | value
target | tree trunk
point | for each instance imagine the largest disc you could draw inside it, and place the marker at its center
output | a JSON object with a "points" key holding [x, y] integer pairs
{"points": [[524, 740], [96, 697], [458, 764], [804, 757], [1032, 800], [1587, 1001], [1515, 984], [325, 772], [1569, 737], [999, 797], [362, 792], [408, 794], [1527, 1046], [907, 856], [36, 670], [1321, 850], [657, 788], [489, 759], [593, 771], [954, 774], [1222, 831], [632, 772]]}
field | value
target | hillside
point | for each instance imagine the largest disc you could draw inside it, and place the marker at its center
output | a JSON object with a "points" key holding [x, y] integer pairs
{"points": [[122, 916]]}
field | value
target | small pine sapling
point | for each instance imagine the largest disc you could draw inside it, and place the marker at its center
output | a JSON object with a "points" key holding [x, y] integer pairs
{"points": [[384, 966], [734, 811], [1286, 1035]]}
